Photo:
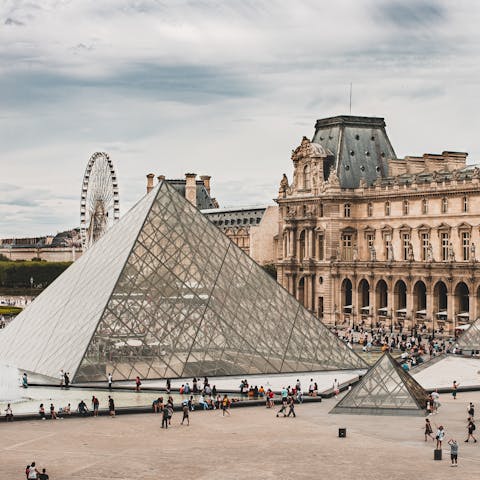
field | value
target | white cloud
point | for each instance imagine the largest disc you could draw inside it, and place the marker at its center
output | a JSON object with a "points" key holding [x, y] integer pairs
{"points": [[220, 87]]}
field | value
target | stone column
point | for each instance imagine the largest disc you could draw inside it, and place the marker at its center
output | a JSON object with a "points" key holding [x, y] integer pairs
{"points": [[451, 320], [310, 243], [409, 307], [355, 310], [471, 306]]}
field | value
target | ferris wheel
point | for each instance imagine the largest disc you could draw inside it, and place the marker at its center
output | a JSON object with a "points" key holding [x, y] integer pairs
{"points": [[99, 204]]}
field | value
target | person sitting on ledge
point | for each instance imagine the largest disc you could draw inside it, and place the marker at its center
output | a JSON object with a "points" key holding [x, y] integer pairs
{"points": [[82, 408], [41, 412]]}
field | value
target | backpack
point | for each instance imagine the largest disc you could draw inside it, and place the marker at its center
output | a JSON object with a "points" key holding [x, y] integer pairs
{"points": [[473, 427]]}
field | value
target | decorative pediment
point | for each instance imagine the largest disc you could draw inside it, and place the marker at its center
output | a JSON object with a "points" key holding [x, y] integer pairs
{"points": [[405, 228], [308, 149], [464, 227], [349, 230], [386, 230], [368, 230], [444, 227]]}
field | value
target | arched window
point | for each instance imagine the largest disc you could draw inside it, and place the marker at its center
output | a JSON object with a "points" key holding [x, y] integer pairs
{"points": [[306, 177], [347, 210], [444, 205], [369, 209], [424, 206], [405, 207], [387, 209]]}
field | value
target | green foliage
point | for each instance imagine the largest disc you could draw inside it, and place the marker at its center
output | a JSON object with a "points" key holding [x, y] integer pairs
{"points": [[5, 310], [3, 258], [18, 274], [271, 269]]}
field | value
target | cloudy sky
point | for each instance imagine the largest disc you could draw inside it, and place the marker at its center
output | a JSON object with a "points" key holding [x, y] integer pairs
{"points": [[225, 88]]}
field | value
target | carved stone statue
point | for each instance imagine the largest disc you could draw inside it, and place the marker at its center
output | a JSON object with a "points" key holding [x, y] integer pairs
{"points": [[390, 252], [472, 252], [355, 253], [339, 254], [283, 186], [451, 252], [411, 257], [333, 178], [429, 252]]}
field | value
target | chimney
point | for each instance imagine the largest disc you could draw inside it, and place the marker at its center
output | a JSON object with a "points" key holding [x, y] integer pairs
{"points": [[150, 178], [191, 188], [206, 182], [161, 178]]}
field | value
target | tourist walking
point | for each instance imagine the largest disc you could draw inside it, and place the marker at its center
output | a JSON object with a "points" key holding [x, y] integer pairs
{"points": [[66, 380], [25, 381], [470, 429], [32, 472], [110, 381], [291, 410], [440, 436], [111, 407], [138, 383], [284, 407], [43, 475], [225, 405], [436, 401], [95, 405], [453, 452], [454, 389], [9, 413], [169, 385], [165, 414], [336, 387], [471, 410], [428, 430], [185, 411]]}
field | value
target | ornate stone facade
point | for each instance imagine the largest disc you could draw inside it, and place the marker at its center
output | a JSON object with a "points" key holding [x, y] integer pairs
{"points": [[397, 250]]}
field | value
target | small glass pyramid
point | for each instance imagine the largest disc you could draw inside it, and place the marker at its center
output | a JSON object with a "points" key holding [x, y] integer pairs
{"points": [[164, 293], [470, 338], [386, 389]]}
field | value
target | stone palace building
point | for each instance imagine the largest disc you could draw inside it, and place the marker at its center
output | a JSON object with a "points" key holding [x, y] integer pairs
{"points": [[366, 238]]}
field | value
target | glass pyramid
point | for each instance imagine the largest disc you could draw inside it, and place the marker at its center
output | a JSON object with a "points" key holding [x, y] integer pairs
{"points": [[470, 339], [386, 389], [164, 293]]}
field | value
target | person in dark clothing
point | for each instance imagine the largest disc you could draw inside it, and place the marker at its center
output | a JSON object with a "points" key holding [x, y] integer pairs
{"points": [[470, 429], [111, 406], [291, 410], [66, 380], [165, 416], [185, 410], [43, 475]]}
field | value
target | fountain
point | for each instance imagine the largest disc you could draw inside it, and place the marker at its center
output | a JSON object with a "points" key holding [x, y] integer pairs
{"points": [[10, 390]]}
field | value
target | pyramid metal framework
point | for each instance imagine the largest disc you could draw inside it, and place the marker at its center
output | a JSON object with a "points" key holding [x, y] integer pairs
{"points": [[386, 389], [164, 293], [470, 338]]}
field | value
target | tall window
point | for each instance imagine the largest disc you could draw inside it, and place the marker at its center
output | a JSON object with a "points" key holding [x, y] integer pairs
{"points": [[387, 209], [320, 247], [347, 210], [405, 207], [424, 206], [425, 245], [388, 244], [444, 246], [306, 177], [347, 247], [320, 210], [370, 240], [465, 204], [369, 209], [466, 245], [444, 205], [405, 245]]}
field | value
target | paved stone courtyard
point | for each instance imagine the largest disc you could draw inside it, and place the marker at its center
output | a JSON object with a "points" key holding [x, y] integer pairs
{"points": [[252, 443]]}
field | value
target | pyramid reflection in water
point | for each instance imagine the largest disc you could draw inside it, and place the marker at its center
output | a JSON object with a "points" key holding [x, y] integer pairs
{"points": [[166, 294]]}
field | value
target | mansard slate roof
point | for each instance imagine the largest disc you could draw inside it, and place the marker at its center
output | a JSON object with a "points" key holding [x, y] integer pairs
{"points": [[386, 389], [204, 200], [164, 293], [360, 147]]}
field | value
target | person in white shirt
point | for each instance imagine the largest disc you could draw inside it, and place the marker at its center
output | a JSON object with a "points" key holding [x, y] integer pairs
{"points": [[336, 387]]}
